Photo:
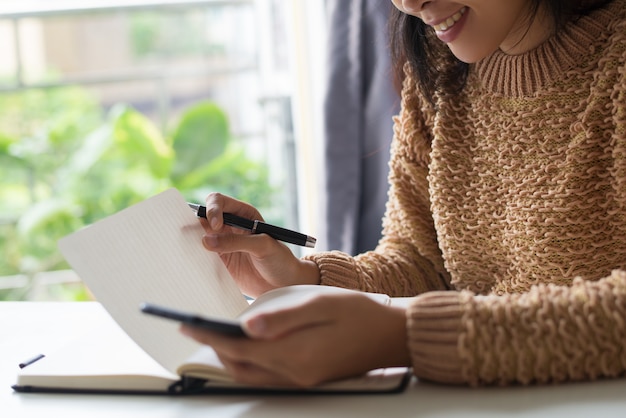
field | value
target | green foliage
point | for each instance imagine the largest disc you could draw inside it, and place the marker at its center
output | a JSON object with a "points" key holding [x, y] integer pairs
{"points": [[67, 165], [201, 136]]}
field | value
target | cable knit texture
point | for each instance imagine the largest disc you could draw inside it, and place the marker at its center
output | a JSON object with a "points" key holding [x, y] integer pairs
{"points": [[507, 216]]}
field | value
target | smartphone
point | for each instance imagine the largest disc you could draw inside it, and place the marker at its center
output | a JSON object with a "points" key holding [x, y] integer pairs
{"points": [[223, 326]]}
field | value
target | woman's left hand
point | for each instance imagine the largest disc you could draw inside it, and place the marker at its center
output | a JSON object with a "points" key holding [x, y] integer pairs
{"points": [[327, 338]]}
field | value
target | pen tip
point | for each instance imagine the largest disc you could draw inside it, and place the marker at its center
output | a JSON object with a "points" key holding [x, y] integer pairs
{"points": [[199, 209]]}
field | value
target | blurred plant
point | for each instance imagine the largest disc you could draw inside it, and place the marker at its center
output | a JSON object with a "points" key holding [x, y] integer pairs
{"points": [[79, 166]]}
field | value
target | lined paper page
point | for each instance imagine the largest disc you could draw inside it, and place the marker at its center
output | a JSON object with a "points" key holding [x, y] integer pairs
{"points": [[152, 252]]}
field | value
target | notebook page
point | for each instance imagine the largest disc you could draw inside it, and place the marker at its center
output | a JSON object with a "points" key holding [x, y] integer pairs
{"points": [[152, 252], [103, 358]]}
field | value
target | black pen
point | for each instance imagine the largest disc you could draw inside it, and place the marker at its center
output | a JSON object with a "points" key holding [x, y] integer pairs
{"points": [[31, 361], [258, 227]]}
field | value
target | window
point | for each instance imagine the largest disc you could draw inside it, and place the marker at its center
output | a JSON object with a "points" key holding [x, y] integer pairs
{"points": [[104, 103]]}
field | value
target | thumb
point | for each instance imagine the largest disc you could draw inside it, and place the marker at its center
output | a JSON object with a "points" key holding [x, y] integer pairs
{"points": [[273, 325]]}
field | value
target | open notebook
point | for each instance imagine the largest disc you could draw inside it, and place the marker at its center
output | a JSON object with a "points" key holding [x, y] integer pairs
{"points": [[152, 252]]}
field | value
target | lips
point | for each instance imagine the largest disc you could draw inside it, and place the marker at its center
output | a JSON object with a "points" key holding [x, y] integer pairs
{"points": [[449, 22]]}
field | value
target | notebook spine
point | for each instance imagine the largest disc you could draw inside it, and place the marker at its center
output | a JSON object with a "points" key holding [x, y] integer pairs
{"points": [[186, 386]]}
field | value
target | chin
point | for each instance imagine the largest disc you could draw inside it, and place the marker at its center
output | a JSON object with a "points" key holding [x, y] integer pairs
{"points": [[469, 56]]}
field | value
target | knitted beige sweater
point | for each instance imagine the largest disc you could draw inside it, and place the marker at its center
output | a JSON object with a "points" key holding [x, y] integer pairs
{"points": [[508, 206]]}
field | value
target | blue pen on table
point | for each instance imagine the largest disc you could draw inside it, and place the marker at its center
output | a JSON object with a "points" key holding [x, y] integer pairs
{"points": [[258, 227]]}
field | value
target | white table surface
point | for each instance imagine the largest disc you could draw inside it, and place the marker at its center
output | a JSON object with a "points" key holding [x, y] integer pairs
{"points": [[29, 328]]}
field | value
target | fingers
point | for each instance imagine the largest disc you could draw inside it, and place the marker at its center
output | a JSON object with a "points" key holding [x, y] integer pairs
{"points": [[256, 362], [259, 245], [253, 374], [273, 325], [234, 353], [217, 203]]}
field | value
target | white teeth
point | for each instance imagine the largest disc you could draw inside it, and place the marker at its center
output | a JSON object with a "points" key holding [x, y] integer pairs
{"points": [[449, 22]]}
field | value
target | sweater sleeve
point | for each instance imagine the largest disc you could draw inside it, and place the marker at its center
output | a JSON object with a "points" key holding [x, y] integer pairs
{"points": [[407, 260], [549, 334]]}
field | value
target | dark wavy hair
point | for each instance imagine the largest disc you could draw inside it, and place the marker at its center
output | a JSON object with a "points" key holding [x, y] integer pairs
{"points": [[436, 68]]}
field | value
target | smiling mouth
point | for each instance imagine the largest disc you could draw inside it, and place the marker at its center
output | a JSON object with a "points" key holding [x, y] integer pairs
{"points": [[449, 22]]}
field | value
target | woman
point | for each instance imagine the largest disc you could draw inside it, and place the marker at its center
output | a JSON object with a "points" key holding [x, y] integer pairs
{"points": [[506, 216]]}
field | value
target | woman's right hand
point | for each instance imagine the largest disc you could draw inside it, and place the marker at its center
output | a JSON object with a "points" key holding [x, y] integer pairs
{"points": [[257, 262]]}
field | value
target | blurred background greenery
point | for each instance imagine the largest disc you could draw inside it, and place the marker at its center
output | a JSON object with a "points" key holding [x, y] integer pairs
{"points": [[100, 109], [105, 105], [65, 162]]}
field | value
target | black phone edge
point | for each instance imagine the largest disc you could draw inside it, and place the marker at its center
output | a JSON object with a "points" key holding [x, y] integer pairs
{"points": [[223, 326]]}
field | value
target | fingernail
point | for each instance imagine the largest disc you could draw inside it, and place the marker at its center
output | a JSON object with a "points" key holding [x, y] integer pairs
{"points": [[214, 223]]}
